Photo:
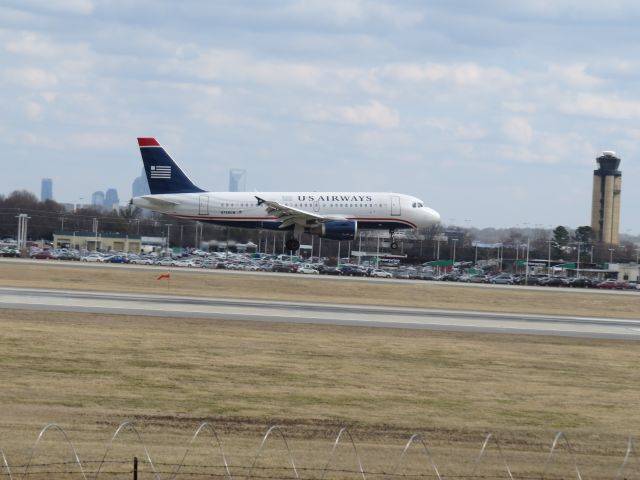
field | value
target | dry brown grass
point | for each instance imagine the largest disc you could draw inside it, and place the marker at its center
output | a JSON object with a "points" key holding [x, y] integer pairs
{"points": [[90, 372], [327, 290]]}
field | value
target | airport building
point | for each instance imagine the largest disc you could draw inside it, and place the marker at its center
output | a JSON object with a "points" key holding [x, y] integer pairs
{"points": [[87, 240], [605, 207]]}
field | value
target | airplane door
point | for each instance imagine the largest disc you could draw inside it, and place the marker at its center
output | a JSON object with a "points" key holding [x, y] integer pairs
{"points": [[316, 206], [204, 205], [395, 205]]}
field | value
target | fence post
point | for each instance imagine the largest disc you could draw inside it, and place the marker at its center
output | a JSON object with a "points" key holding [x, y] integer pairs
{"points": [[135, 468]]}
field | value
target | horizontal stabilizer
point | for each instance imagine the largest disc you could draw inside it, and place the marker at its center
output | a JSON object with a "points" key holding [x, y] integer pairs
{"points": [[159, 202]]}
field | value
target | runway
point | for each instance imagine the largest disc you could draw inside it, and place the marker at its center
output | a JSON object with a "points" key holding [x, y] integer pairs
{"points": [[314, 313]]}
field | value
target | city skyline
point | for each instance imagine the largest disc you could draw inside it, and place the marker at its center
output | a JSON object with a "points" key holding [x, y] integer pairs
{"points": [[492, 113]]}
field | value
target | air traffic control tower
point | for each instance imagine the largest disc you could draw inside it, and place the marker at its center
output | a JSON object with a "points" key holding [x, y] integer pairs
{"points": [[605, 208]]}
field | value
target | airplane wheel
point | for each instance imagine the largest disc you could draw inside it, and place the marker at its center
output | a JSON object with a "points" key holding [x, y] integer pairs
{"points": [[292, 244], [394, 245]]}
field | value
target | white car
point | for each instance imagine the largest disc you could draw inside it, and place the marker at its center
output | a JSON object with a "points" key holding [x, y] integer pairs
{"points": [[381, 274], [141, 261], [94, 257], [308, 269]]}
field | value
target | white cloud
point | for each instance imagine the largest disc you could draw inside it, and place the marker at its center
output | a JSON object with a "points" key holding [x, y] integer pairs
{"points": [[34, 111], [609, 106], [77, 7], [518, 130], [31, 77], [574, 75], [455, 129], [349, 12], [549, 149], [102, 140], [461, 74], [373, 114], [519, 107]]}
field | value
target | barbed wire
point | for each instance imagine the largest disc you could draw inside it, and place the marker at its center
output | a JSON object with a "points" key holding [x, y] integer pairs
{"points": [[94, 469]]}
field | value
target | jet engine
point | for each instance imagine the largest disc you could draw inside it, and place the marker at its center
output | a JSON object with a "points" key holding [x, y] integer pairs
{"points": [[338, 230]]}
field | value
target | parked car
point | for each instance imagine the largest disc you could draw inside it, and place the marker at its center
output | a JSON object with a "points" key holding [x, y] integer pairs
{"points": [[43, 255], [552, 282], [376, 272], [478, 278], [324, 270], [67, 256], [117, 259], [165, 262], [92, 257], [611, 284], [580, 282], [351, 271], [502, 279], [141, 261], [308, 269]]}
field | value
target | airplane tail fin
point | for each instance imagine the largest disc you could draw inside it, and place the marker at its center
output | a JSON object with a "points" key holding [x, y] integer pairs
{"points": [[163, 174]]}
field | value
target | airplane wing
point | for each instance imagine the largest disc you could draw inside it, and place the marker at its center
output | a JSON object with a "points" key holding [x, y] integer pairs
{"points": [[290, 216]]}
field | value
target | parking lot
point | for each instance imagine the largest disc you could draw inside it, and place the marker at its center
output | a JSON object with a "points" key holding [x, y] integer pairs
{"points": [[256, 262]]}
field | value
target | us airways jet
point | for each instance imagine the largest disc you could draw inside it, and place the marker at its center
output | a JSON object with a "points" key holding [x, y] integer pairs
{"points": [[334, 215]]}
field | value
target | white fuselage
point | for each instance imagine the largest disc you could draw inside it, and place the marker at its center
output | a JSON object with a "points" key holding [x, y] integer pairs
{"points": [[371, 210]]}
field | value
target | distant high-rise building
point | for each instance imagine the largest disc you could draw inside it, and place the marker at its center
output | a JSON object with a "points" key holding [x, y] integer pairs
{"points": [[140, 186], [97, 199], [605, 205], [111, 199], [46, 189], [237, 180]]}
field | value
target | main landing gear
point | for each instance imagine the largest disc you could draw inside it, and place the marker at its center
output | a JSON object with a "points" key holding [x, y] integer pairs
{"points": [[393, 244], [292, 244]]}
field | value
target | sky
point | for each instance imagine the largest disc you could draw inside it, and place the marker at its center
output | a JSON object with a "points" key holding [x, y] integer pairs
{"points": [[492, 112]]}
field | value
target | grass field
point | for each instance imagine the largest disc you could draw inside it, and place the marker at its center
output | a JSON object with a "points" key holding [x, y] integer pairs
{"points": [[325, 289], [91, 372]]}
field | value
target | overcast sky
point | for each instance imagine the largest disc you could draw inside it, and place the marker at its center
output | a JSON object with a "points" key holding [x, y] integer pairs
{"points": [[492, 112]]}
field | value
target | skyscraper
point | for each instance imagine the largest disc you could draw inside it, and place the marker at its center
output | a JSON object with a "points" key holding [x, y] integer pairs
{"points": [[97, 199], [111, 199], [46, 189], [140, 185], [237, 180], [605, 205]]}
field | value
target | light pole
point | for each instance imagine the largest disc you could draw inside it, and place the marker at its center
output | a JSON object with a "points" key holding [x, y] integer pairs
{"points": [[549, 260], [611, 250], [454, 240], [168, 242], [578, 263], [526, 274]]}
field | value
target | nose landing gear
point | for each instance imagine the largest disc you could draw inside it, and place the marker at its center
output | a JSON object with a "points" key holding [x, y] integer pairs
{"points": [[393, 244]]}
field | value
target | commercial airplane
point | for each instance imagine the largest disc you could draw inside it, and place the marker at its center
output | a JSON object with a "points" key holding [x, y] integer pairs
{"points": [[334, 215]]}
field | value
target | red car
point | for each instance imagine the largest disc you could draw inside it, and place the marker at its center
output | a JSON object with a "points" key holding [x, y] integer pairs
{"points": [[611, 284], [44, 255]]}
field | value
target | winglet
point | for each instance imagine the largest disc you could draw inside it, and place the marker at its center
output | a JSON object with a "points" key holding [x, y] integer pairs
{"points": [[260, 201]]}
